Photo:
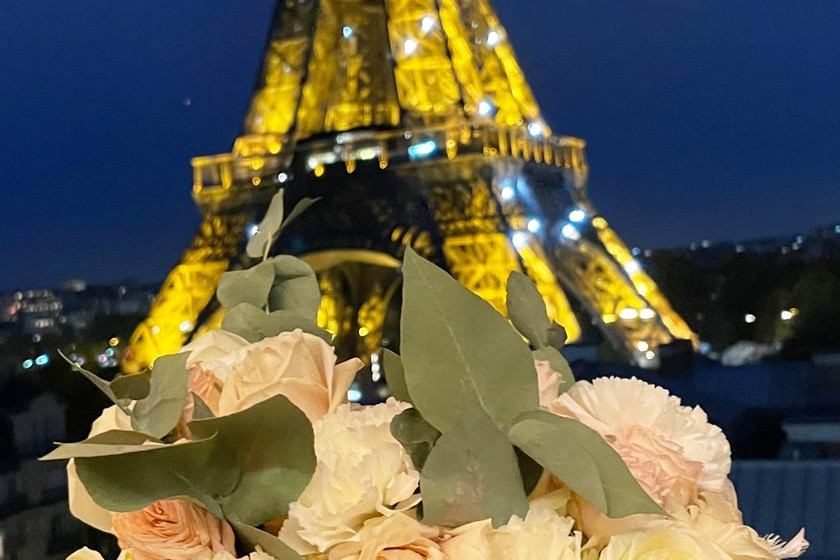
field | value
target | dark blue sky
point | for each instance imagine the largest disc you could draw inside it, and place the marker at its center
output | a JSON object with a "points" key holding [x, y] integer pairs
{"points": [[706, 119]]}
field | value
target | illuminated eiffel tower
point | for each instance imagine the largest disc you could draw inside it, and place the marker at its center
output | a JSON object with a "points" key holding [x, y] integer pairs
{"points": [[414, 123]]}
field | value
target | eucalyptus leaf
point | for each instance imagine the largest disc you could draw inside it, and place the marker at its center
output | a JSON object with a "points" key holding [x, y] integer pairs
{"points": [[395, 375], [526, 309], [302, 205], [253, 324], [295, 288], [132, 481], [558, 363], [252, 537], [582, 459], [472, 474], [246, 286], [98, 382], [201, 410], [267, 229], [160, 411], [112, 442], [132, 387], [456, 350], [417, 436], [271, 444]]}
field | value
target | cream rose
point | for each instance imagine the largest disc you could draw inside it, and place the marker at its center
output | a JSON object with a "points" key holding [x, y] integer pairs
{"points": [[362, 473], [652, 427], [661, 540], [82, 505], [85, 554], [295, 364], [398, 537], [173, 530]]}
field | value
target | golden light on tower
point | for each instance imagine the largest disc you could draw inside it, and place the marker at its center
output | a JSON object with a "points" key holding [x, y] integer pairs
{"points": [[414, 122]]}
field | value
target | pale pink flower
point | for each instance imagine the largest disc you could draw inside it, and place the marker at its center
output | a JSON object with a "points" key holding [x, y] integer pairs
{"points": [[649, 425], [549, 382], [173, 530]]}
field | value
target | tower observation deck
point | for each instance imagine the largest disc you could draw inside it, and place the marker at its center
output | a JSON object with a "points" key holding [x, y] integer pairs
{"points": [[414, 123]]}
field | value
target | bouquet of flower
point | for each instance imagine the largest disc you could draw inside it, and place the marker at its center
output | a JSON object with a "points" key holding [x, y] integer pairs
{"points": [[242, 445]]}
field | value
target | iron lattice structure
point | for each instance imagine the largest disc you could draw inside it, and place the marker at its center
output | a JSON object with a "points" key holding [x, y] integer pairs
{"points": [[414, 122]]}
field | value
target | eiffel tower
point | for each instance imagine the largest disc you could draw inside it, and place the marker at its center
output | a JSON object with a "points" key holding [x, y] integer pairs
{"points": [[414, 123]]}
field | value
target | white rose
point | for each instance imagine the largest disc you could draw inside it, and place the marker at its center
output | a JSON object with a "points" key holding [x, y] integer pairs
{"points": [[662, 539]]}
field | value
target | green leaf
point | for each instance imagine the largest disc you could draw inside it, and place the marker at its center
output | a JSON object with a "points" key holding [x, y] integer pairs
{"points": [[160, 411], [246, 286], [113, 442], [395, 375], [582, 459], [267, 230], [253, 324], [202, 411], [526, 310], [417, 436], [558, 363], [252, 537], [472, 474], [271, 446], [295, 288], [456, 350], [132, 387], [302, 205], [98, 382], [132, 481]]}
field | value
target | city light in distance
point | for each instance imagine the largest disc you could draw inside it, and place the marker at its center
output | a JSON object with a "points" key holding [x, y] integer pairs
{"points": [[422, 150], [507, 192], [534, 225], [493, 38], [647, 314], [536, 129], [42, 360], [427, 24], [485, 108], [520, 239], [410, 46], [749, 318], [347, 32]]}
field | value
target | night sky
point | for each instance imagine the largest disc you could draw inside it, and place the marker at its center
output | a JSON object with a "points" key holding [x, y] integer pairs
{"points": [[706, 119]]}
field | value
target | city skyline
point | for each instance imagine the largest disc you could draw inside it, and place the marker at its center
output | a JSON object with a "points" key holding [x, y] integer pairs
{"points": [[704, 120]]}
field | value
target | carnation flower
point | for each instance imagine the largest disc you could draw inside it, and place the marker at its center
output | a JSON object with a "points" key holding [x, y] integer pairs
{"points": [[660, 540], [362, 473], [173, 530], [716, 516], [671, 449], [549, 382], [543, 534], [398, 537]]}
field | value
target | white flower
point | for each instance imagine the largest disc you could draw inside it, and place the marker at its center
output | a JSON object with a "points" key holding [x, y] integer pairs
{"points": [[362, 473], [662, 539], [716, 516], [85, 554], [82, 505], [543, 534], [616, 407]]}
